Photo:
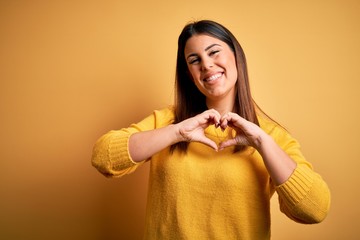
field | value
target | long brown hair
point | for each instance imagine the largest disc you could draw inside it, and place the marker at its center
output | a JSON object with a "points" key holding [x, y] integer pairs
{"points": [[189, 101]]}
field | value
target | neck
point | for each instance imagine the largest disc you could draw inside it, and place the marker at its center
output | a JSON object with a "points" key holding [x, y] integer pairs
{"points": [[223, 106]]}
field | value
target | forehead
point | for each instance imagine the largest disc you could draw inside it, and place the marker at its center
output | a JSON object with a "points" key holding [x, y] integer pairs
{"points": [[199, 43]]}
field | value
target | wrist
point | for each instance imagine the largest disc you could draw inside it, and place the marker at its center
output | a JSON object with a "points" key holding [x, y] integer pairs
{"points": [[178, 133], [262, 141]]}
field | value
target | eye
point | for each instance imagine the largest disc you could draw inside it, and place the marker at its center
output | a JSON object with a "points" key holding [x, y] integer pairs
{"points": [[194, 60], [213, 52]]}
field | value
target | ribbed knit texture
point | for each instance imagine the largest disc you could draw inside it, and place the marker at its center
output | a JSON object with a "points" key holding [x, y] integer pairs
{"points": [[297, 186], [303, 192], [111, 149], [205, 194]]}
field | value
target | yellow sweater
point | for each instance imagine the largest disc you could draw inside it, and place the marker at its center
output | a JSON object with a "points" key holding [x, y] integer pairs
{"points": [[205, 194]]}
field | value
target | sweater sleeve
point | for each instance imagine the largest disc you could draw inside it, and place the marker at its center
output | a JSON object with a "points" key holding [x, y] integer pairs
{"points": [[305, 196], [111, 155]]}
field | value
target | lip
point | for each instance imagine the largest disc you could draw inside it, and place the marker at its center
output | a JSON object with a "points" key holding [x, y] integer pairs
{"points": [[212, 77]]}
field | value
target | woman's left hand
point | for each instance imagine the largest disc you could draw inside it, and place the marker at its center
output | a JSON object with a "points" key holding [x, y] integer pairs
{"points": [[279, 165], [247, 133]]}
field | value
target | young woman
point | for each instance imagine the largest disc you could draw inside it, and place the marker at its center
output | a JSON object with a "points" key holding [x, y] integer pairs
{"points": [[216, 158]]}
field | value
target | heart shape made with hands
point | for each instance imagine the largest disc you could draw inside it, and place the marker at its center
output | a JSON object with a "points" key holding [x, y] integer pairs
{"points": [[224, 126], [241, 132], [238, 134], [230, 138]]}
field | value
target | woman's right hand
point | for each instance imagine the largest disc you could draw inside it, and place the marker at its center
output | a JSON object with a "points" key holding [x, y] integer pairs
{"points": [[192, 129], [143, 145]]}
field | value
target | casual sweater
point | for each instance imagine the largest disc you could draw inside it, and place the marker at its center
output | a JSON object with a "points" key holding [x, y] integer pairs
{"points": [[204, 194]]}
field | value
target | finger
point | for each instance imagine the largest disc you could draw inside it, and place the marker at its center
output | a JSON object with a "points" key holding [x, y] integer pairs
{"points": [[230, 117], [227, 143], [206, 118], [225, 121], [223, 124], [214, 119], [214, 116], [233, 119]]}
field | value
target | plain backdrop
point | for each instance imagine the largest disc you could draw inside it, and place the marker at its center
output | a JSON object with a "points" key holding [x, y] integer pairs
{"points": [[72, 70]]}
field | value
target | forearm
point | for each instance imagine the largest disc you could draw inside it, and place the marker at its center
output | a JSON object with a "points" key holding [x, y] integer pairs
{"points": [[143, 145], [279, 165]]}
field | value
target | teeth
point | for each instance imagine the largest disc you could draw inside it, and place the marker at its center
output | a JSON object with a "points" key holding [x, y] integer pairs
{"points": [[213, 77]]}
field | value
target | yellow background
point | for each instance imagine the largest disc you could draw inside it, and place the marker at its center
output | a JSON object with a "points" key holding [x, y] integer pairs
{"points": [[73, 70]]}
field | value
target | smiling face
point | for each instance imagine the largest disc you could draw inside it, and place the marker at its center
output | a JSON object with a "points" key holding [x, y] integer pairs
{"points": [[212, 66]]}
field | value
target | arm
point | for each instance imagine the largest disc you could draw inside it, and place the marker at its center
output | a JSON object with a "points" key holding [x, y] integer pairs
{"points": [[122, 151], [303, 194], [111, 154], [143, 145], [279, 165]]}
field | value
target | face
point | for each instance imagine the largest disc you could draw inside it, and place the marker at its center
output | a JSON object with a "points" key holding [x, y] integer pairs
{"points": [[212, 66]]}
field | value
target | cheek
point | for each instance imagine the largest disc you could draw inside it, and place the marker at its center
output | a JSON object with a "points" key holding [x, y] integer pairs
{"points": [[233, 69], [234, 72]]}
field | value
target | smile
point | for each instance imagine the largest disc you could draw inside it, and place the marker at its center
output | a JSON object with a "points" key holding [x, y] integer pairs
{"points": [[213, 77]]}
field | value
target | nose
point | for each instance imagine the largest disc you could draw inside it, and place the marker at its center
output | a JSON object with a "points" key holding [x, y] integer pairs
{"points": [[206, 63]]}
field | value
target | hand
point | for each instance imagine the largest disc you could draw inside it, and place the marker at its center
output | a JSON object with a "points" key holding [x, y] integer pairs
{"points": [[192, 129], [247, 133]]}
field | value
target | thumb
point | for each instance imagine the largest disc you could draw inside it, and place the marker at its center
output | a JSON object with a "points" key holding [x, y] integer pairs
{"points": [[227, 143]]}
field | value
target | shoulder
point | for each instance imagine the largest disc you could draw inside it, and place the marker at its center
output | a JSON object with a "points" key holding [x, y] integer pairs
{"points": [[275, 130], [166, 113], [157, 119], [268, 125]]}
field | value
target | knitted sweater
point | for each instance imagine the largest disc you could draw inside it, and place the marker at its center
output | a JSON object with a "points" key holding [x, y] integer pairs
{"points": [[205, 194]]}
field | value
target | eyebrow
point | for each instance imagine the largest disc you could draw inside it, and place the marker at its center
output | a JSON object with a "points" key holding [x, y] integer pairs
{"points": [[206, 49]]}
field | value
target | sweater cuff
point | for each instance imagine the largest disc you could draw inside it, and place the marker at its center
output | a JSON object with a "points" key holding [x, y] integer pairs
{"points": [[119, 154], [297, 186]]}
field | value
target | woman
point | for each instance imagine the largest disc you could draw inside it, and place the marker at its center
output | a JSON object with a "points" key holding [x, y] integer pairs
{"points": [[216, 158]]}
